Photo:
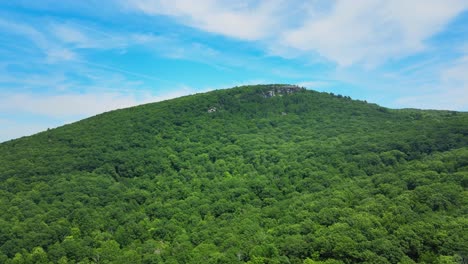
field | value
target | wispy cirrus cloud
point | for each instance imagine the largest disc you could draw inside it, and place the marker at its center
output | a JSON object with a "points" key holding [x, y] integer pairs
{"points": [[43, 45]]}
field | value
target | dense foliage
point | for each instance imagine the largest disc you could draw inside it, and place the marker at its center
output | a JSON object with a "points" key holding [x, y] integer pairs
{"points": [[243, 175]]}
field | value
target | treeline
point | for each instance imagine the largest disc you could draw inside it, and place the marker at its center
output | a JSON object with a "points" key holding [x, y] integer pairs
{"points": [[302, 177]]}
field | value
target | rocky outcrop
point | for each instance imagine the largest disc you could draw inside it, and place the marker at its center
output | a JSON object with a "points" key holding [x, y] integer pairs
{"points": [[212, 109], [280, 90]]}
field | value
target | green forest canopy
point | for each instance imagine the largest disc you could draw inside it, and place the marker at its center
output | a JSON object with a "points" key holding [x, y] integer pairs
{"points": [[253, 174]]}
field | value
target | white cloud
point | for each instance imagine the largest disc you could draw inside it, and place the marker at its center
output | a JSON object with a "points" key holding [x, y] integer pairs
{"points": [[448, 99], [80, 105], [451, 92], [76, 36], [79, 36], [372, 31], [350, 33], [60, 55], [368, 32], [53, 52], [314, 84], [34, 80], [64, 105], [457, 73], [69, 34], [25, 31], [14, 129], [67, 108], [250, 20]]}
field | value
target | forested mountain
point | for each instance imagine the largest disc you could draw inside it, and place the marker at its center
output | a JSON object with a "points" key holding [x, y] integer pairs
{"points": [[253, 174]]}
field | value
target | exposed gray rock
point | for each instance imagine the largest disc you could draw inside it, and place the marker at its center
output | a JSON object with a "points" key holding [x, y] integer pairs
{"points": [[212, 109], [280, 90]]}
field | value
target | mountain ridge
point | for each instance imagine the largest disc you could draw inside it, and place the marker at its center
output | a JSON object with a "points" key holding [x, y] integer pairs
{"points": [[305, 177], [266, 88]]}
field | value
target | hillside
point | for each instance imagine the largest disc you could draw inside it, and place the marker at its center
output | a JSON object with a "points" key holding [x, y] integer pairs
{"points": [[252, 174]]}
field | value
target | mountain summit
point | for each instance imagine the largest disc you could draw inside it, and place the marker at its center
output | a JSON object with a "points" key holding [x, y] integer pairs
{"points": [[252, 174]]}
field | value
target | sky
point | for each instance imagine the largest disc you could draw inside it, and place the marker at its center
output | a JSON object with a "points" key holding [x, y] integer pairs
{"points": [[65, 60]]}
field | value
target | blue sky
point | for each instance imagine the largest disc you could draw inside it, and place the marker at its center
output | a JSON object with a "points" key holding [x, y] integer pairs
{"points": [[61, 61]]}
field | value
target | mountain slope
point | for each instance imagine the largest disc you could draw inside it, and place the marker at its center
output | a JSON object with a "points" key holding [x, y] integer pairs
{"points": [[259, 174]]}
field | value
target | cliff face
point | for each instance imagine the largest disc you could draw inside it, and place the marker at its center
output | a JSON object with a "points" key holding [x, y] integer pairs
{"points": [[280, 90]]}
